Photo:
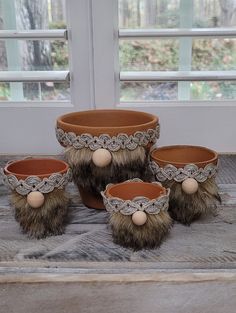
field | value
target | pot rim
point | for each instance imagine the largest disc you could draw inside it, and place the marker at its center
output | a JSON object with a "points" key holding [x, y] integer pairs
{"points": [[179, 164], [105, 129], [21, 175], [161, 191]]}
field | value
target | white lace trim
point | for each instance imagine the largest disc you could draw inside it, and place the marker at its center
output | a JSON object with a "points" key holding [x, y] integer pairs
{"points": [[34, 183], [104, 141], [129, 207], [170, 172]]}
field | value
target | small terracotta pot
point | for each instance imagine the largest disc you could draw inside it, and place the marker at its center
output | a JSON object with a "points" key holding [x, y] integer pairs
{"points": [[38, 194], [106, 146], [138, 213], [189, 172]]}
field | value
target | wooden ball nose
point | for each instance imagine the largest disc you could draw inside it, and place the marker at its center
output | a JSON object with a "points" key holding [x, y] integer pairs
{"points": [[101, 157], [139, 218], [190, 186], [35, 199]]}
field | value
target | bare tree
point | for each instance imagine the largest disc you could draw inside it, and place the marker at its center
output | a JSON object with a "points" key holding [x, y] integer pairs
{"points": [[228, 12], [138, 13], [34, 15], [3, 54], [36, 55], [151, 12], [161, 11], [58, 10], [124, 13]]}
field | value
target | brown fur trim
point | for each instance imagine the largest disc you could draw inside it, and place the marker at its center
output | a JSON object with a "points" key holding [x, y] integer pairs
{"points": [[187, 208], [47, 220], [125, 165], [149, 235]]}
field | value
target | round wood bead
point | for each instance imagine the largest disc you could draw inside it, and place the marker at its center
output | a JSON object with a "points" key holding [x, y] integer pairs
{"points": [[101, 157], [139, 218], [35, 199], [190, 186]]}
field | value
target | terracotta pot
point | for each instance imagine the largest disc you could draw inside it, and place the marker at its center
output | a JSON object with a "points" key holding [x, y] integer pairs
{"points": [[189, 171], [90, 200], [106, 146], [138, 213], [180, 155], [38, 194]]}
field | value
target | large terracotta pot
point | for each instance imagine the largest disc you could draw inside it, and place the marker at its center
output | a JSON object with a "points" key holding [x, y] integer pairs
{"points": [[38, 194], [189, 171], [138, 213], [106, 146]]}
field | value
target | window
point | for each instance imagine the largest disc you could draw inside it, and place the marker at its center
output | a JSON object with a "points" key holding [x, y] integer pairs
{"points": [[177, 50], [172, 58], [33, 51]]}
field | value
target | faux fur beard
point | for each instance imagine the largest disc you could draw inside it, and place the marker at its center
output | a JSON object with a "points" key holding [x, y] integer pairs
{"points": [[187, 208], [45, 221], [125, 165], [149, 235]]}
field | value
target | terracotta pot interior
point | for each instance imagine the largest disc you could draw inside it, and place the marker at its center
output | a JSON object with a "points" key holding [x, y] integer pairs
{"points": [[111, 122], [182, 155], [38, 167], [107, 118], [128, 191]]}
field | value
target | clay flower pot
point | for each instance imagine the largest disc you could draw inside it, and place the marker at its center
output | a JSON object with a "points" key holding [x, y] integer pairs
{"points": [[138, 213], [38, 194], [189, 172], [106, 146]]}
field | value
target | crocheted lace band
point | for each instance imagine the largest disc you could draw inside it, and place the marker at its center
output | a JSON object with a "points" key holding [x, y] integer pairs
{"points": [[34, 183], [129, 207], [104, 141], [170, 172]]}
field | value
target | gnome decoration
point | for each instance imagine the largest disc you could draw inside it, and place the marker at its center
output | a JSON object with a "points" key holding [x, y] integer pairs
{"points": [[106, 146], [38, 194], [189, 172], [139, 215]]}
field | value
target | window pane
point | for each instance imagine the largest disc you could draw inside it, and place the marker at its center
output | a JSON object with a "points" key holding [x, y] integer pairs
{"points": [[163, 54], [184, 54], [148, 91], [214, 13], [214, 54], [148, 13], [32, 14], [36, 91], [166, 13], [149, 55], [162, 91], [4, 91], [33, 55]]}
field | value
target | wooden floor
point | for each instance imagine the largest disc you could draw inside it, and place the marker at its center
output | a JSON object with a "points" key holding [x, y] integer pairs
{"points": [[200, 260]]}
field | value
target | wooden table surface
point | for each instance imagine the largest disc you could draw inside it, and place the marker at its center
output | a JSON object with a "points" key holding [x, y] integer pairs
{"points": [[202, 255]]}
